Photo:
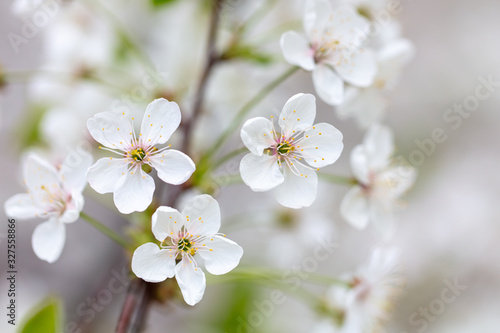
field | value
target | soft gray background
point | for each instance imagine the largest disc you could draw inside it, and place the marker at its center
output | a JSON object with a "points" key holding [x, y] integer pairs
{"points": [[451, 228]]}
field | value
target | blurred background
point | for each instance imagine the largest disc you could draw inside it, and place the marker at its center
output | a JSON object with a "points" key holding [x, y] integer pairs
{"points": [[79, 63]]}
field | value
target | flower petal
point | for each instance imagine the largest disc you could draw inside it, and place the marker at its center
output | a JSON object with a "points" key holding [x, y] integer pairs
{"points": [[261, 173], [297, 51], [111, 129], [366, 105], [22, 206], [379, 146], [358, 68], [399, 179], [104, 175], [316, 15], [322, 145], [40, 176], [203, 215], [153, 264], [257, 134], [297, 191], [173, 167], [73, 208], [221, 255], [355, 208], [160, 121], [191, 280], [73, 171], [48, 240], [328, 85], [166, 222], [359, 165], [297, 114], [134, 191]]}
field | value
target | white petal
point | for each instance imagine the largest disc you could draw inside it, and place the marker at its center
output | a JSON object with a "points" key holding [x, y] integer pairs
{"points": [[359, 165], [21, 206], [366, 105], [160, 121], [358, 68], [297, 51], [104, 175], [297, 114], [322, 145], [134, 191], [111, 129], [257, 134], [379, 146], [399, 180], [74, 169], [166, 222], [40, 176], [399, 52], [261, 173], [347, 26], [173, 167], [316, 15], [355, 208], [297, 191], [224, 257], [152, 264], [328, 85], [191, 280], [73, 208], [48, 240], [203, 215]]}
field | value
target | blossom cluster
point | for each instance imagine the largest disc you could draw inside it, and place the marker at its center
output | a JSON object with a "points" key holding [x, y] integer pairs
{"points": [[286, 152]]}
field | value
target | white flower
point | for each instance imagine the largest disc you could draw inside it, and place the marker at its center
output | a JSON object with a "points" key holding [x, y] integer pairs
{"points": [[368, 105], [124, 175], [367, 304], [287, 159], [331, 50], [185, 238], [380, 183], [54, 194]]}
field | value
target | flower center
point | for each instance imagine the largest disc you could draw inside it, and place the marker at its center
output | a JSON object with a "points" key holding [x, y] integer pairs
{"points": [[138, 154], [285, 148], [184, 245]]}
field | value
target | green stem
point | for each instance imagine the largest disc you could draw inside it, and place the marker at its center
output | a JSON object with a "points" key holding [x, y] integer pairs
{"points": [[228, 180], [257, 15], [269, 282], [229, 156], [268, 273], [341, 180], [105, 230], [247, 108]]}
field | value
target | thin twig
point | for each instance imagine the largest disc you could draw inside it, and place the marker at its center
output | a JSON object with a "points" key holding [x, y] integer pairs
{"points": [[105, 230], [140, 293], [212, 59]]}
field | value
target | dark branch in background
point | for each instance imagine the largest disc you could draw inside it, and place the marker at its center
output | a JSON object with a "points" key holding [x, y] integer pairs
{"points": [[140, 293], [212, 58]]}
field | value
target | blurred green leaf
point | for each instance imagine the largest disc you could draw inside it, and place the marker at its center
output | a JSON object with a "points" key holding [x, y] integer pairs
{"points": [[45, 317], [29, 129], [247, 52], [158, 3]]}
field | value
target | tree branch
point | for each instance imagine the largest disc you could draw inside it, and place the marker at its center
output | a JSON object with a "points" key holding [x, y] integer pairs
{"points": [[212, 58]]}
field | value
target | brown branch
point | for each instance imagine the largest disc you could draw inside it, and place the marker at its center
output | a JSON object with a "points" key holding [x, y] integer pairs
{"points": [[212, 58], [140, 293]]}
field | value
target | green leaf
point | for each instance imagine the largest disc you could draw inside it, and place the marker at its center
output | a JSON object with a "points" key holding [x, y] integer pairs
{"points": [[247, 52], [158, 3], [45, 317]]}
